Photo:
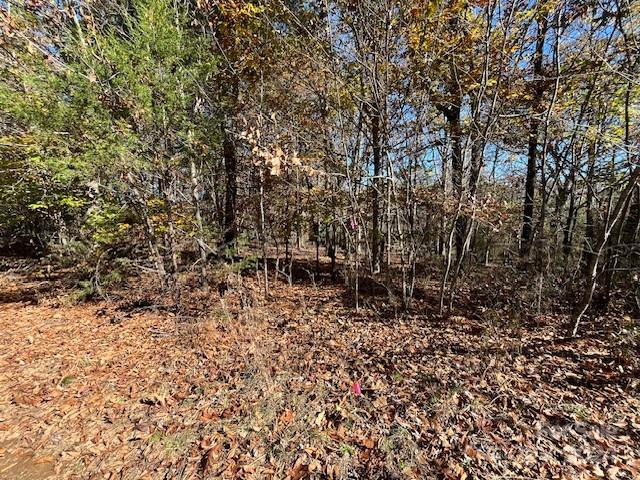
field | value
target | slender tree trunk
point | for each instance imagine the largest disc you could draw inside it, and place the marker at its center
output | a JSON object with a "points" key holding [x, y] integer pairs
{"points": [[589, 234], [612, 255], [476, 166], [529, 189], [152, 241], [198, 217], [331, 249], [567, 240], [592, 267], [263, 237], [298, 224], [532, 150], [452, 114], [231, 190], [376, 234], [230, 168]]}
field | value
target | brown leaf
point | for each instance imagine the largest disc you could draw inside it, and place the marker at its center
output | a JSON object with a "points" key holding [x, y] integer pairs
{"points": [[369, 442], [287, 416]]}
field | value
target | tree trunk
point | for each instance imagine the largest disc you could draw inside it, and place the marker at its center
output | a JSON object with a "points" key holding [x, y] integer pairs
{"points": [[263, 237], [532, 150], [567, 241], [592, 267], [589, 233], [198, 217], [231, 190], [152, 241], [376, 234], [452, 115]]}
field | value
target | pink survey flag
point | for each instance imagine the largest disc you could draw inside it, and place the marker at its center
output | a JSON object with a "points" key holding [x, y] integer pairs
{"points": [[356, 389]]}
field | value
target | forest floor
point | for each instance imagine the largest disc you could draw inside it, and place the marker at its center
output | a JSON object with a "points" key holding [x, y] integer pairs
{"points": [[239, 387]]}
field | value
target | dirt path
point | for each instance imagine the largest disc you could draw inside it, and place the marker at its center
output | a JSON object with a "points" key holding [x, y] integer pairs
{"points": [[17, 465]]}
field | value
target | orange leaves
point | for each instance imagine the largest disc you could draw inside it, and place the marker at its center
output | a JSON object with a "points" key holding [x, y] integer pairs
{"points": [[211, 460], [209, 414], [287, 416], [368, 442]]}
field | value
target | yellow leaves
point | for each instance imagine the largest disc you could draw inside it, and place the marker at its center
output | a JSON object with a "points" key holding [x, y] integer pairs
{"points": [[320, 419], [251, 10], [475, 33], [525, 15], [548, 6], [424, 10], [236, 10], [273, 161], [418, 41]]}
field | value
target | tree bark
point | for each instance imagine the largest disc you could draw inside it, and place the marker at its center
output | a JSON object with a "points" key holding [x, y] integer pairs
{"points": [[589, 233], [532, 150], [198, 217], [452, 114], [231, 187], [376, 234]]}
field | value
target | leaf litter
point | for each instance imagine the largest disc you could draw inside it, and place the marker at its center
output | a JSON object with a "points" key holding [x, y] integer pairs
{"points": [[302, 386]]}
